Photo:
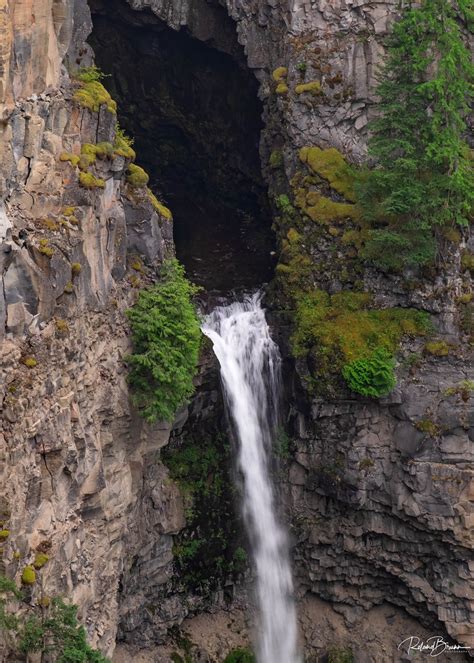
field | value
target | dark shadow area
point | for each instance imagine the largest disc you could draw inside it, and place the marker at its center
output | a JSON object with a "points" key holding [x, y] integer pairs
{"points": [[193, 109]]}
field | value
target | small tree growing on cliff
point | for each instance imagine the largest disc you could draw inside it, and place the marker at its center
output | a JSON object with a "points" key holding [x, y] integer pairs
{"points": [[423, 177], [166, 337], [49, 628]]}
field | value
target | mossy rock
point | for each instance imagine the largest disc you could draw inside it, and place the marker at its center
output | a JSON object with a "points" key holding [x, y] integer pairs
{"points": [[313, 87], [282, 89], [323, 210], [279, 74], [330, 165], [4, 534], [40, 560], [437, 348], [161, 209], [29, 362], [93, 95], [137, 176], [276, 159], [28, 577], [73, 159], [45, 249], [89, 181]]}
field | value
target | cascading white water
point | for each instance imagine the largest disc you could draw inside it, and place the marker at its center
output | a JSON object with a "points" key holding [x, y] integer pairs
{"points": [[250, 369]]}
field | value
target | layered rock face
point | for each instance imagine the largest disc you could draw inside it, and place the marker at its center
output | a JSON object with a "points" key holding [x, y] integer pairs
{"points": [[381, 509]]}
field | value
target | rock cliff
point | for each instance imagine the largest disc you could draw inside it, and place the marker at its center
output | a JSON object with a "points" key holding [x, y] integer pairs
{"points": [[379, 494]]}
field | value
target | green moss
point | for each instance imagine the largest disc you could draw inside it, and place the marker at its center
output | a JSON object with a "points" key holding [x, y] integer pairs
{"points": [[323, 210], [69, 288], [40, 560], [161, 209], [276, 159], [4, 534], [28, 577], [137, 177], [123, 145], [29, 362], [93, 95], [45, 249], [341, 329], [279, 74], [61, 325], [281, 88], [429, 427], [68, 211], [464, 389], [313, 87], [437, 348], [467, 261], [104, 150], [331, 165], [76, 268], [89, 181], [68, 156]]}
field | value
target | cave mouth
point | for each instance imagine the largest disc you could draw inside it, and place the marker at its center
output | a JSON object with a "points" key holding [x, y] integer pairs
{"points": [[193, 109]]}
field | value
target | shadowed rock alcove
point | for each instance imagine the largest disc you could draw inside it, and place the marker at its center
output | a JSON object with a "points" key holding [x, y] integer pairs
{"points": [[193, 109]]}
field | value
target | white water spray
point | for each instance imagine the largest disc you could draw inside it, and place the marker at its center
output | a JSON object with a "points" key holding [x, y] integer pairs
{"points": [[250, 369]]}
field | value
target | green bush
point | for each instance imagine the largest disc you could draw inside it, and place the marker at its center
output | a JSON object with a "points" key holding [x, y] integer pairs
{"points": [[50, 628], [372, 376], [240, 655], [166, 338], [89, 74]]}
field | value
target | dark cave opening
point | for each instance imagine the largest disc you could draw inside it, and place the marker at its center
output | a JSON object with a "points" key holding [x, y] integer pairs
{"points": [[192, 107]]}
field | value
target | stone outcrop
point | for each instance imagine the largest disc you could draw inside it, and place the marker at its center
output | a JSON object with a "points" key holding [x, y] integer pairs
{"points": [[379, 494]]}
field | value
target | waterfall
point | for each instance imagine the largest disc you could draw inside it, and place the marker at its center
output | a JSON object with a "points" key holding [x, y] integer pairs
{"points": [[250, 370]]}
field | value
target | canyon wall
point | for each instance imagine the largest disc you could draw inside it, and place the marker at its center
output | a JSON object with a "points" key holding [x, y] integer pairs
{"points": [[380, 505]]}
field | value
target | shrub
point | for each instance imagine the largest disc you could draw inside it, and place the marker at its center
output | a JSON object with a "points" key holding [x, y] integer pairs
{"points": [[240, 655], [137, 177], [166, 337], [372, 376], [394, 250], [123, 144], [89, 74]]}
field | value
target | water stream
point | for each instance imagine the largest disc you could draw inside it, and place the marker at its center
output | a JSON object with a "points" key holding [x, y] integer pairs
{"points": [[250, 370]]}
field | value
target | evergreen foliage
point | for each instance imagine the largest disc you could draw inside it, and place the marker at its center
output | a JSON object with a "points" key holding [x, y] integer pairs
{"points": [[51, 629], [423, 177], [166, 337]]}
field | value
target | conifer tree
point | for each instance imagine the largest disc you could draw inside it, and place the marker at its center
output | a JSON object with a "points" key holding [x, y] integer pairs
{"points": [[423, 176]]}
